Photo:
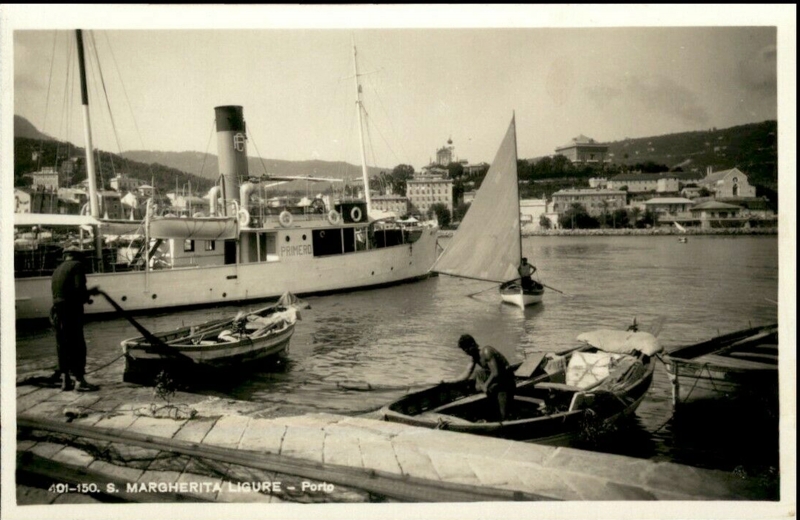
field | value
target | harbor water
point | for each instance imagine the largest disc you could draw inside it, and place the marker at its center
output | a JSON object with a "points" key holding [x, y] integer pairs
{"points": [[355, 351]]}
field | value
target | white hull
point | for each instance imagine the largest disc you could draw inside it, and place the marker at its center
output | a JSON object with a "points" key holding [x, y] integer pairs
{"points": [[514, 295], [521, 299], [292, 270]]}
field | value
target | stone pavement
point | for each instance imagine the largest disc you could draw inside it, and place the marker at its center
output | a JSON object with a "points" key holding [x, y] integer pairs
{"points": [[354, 442]]}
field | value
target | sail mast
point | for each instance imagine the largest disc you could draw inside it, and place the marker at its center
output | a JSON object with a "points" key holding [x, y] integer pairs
{"points": [[516, 182], [359, 108], [87, 129]]}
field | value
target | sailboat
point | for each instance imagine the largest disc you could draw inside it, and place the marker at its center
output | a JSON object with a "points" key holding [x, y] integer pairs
{"points": [[682, 229], [488, 244], [245, 253]]}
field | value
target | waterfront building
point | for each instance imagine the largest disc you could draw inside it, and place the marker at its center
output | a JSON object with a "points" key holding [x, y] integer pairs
{"points": [[717, 214], [530, 211], [595, 201], [598, 182], [584, 149], [424, 191], [46, 178], [668, 205], [471, 169], [665, 182], [123, 183], [396, 204], [727, 184]]}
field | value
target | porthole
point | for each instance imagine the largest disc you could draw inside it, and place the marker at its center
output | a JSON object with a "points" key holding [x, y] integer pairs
{"points": [[224, 295], [124, 298], [287, 238], [154, 296], [304, 237], [373, 273]]}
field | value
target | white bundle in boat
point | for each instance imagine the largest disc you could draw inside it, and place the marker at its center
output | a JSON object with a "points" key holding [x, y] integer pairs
{"points": [[622, 341]]}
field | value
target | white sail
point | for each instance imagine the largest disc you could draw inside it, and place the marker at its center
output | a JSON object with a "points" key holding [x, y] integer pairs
{"points": [[487, 243]]}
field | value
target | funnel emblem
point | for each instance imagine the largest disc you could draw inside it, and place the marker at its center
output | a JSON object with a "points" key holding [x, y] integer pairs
{"points": [[239, 141]]}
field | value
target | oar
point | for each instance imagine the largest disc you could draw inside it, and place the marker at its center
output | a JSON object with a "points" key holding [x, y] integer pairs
{"points": [[159, 345], [554, 289], [489, 289]]}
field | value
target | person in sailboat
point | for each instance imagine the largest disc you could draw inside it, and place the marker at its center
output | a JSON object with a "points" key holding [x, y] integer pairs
{"points": [[69, 294], [526, 271], [492, 374]]}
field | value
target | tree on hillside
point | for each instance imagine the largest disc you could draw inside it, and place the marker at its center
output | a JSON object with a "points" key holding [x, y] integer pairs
{"points": [[400, 175], [576, 217], [545, 222], [441, 213], [634, 214]]}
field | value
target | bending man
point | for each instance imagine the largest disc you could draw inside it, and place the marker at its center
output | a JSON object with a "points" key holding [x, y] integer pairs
{"points": [[492, 374]]}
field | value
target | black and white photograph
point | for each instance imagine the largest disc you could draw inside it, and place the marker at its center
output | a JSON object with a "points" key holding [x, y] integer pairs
{"points": [[367, 261]]}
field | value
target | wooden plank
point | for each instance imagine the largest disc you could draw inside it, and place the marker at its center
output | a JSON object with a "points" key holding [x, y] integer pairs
{"points": [[715, 361], [741, 355], [398, 487]]}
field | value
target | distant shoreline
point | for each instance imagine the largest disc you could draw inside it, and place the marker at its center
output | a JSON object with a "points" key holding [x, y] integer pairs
{"points": [[637, 232]]}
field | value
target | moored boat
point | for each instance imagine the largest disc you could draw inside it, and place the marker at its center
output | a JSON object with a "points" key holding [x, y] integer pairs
{"points": [[557, 395], [227, 343], [241, 252], [740, 365]]}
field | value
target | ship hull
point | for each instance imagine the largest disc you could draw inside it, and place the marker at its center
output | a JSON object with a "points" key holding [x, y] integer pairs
{"points": [[209, 285]]}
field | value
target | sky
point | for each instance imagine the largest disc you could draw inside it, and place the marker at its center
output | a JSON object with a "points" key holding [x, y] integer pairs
{"points": [[421, 85]]}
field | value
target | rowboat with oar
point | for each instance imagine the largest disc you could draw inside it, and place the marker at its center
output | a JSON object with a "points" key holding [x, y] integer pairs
{"points": [[558, 395], [228, 343]]}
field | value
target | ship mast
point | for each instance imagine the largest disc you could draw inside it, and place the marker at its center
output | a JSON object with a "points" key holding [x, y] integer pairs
{"points": [[87, 130], [359, 108]]}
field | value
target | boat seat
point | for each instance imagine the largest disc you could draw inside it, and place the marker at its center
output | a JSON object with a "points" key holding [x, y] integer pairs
{"points": [[547, 385], [531, 400]]}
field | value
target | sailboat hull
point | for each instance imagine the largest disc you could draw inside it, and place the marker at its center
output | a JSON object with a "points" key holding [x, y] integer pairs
{"points": [[515, 295]]}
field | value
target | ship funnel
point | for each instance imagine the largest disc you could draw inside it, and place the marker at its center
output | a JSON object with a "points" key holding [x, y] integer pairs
{"points": [[213, 195], [231, 149]]}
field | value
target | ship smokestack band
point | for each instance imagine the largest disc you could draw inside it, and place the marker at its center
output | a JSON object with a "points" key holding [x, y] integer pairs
{"points": [[231, 149]]}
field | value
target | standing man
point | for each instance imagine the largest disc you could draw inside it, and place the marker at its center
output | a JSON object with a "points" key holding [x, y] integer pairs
{"points": [[525, 271], [493, 374], [69, 295]]}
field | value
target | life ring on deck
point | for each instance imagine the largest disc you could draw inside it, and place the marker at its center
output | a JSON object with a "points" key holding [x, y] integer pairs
{"points": [[356, 214], [334, 217], [285, 218], [244, 217]]}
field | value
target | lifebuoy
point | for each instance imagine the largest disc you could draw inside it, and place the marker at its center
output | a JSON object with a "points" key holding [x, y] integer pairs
{"points": [[356, 214], [244, 217], [285, 218], [334, 217]]}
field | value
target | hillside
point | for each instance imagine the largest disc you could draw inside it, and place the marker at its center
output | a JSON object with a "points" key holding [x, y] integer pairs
{"points": [[752, 148], [205, 165], [26, 161], [24, 128]]}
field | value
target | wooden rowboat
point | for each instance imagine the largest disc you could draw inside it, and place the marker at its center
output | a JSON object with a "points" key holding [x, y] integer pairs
{"points": [[557, 394], [232, 342], [513, 293], [736, 365]]}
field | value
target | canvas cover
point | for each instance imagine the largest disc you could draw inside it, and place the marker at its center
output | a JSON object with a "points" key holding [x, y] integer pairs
{"points": [[587, 369], [622, 342], [487, 243]]}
